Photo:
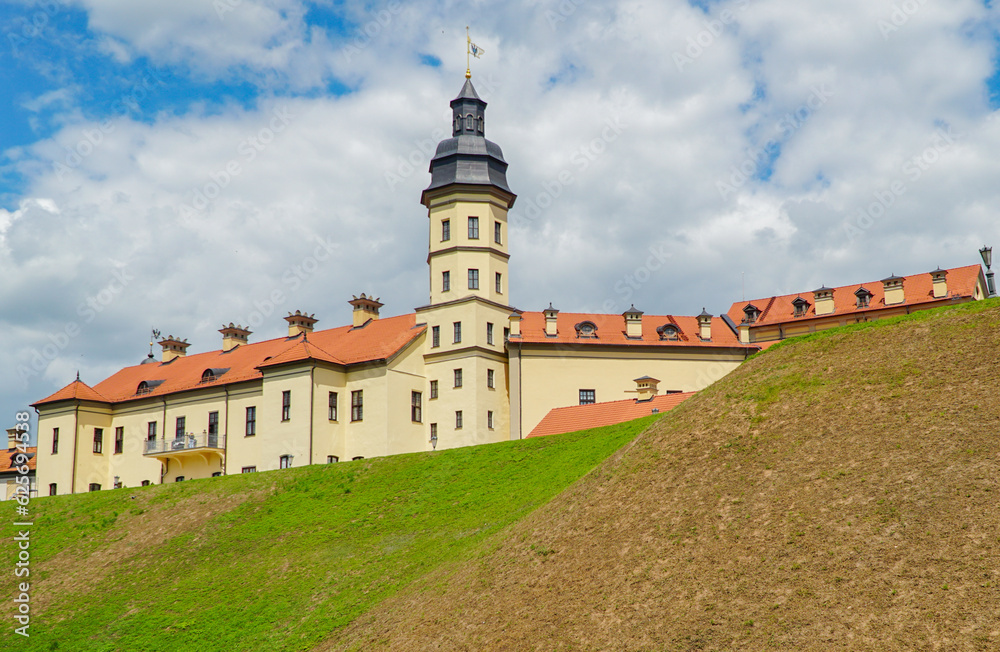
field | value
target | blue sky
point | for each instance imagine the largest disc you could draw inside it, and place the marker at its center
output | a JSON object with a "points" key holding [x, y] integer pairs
{"points": [[118, 115]]}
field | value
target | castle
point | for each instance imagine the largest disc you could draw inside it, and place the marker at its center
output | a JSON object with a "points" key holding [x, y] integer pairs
{"points": [[466, 368]]}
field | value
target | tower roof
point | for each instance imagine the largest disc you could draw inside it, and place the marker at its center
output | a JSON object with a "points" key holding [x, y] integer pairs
{"points": [[467, 158]]}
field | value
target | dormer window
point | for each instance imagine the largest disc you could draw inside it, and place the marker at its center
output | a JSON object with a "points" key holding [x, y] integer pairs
{"points": [[668, 332], [586, 329], [211, 375], [147, 386], [752, 313], [801, 306], [864, 297]]}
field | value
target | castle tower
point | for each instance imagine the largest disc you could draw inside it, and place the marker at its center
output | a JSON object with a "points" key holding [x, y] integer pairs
{"points": [[467, 203]]}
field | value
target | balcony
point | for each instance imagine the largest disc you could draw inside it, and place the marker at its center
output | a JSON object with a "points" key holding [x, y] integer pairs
{"points": [[190, 444]]}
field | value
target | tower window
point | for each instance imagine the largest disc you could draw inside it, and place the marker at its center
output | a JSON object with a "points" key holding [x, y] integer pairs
{"points": [[458, 378], [458, 420], [468, 122], [445, 230], [434, 389], [119, 440], [588, 396], [458, 332], [473, 228], [416, 408], [98, 440], [446, 281], [497, 233], [55, 442], [499, 282], [332, 407], [251, 429], [481, 125], [490, 378], [473, 279], [435, 336], [489, 333], [357, 406], [286, 405], [489, 419]]}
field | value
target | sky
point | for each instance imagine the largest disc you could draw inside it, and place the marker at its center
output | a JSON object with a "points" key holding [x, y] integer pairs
{"points": [[184, 165]]}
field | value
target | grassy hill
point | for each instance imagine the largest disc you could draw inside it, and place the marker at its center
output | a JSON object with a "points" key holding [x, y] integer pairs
{"points": [[839, 492], [279, 560]]}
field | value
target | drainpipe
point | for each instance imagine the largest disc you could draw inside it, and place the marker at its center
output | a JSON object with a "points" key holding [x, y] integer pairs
{"points": [[76, 437], [225, 449], [163, 469], [312, 416]]}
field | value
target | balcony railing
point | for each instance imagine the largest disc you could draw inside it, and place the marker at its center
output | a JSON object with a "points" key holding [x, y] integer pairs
{"points": [[185, 443]]}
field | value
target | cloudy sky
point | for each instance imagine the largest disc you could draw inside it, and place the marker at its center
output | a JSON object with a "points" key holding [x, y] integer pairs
{"points": [[180, 165]]}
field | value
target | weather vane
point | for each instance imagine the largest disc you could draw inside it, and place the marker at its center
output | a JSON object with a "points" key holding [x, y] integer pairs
{"points": [[152, 338], [473, 50]]}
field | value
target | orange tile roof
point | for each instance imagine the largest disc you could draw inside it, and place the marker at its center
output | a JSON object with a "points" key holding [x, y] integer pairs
{"points": [[7, 464], [611, 331], [582, 417], [917, 290], [76, 390], [377, 340]]}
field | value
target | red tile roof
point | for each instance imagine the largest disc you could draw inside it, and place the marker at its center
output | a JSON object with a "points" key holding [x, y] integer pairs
{"points": [[611, 330], [377, 340], [75, 391], [917, 290], [7, 464], [582, 417]]}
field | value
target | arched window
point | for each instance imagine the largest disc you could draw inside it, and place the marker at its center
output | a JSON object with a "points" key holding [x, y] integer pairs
{"points": [[479, 128], [586, 329], [668, 332], [143, 388], [468, 122]]}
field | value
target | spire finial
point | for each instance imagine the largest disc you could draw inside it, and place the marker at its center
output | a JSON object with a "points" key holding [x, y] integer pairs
{"points": [[78, 376], [468, 51]]}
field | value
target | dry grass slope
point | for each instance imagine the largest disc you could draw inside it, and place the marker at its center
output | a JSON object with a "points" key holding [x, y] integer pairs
{"points": [[839, 492]]}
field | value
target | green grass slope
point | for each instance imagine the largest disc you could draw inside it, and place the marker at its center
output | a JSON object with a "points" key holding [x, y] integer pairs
{"points": [[838, 492], [279, 560]]}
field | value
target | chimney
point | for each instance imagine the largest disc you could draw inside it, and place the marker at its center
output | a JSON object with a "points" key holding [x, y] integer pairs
{"points": [[515, 324], [633, 323], [744, 333], [365, 309], [940, 280], [705, 326], [233, 336], [551, 314], [893, 287], [13, 438], [173, 348], [300, 322], [823, 298], [646, 387]]}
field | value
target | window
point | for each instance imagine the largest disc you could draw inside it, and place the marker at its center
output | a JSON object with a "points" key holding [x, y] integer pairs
{"points": [[506, 334], [332, 406], [473, 279], [180, 427], [359, 457], [458, 332], [249, 469], [490, 378], [435, 336], [357, 406], [415, 407], [458, 378], [55, 442], [251, 421], [434, 434], [864, 297], [52, 489], [668, 332], [489, 333], [119, 440], [445, 230], [496, 233], [587, 396], [801, 306], [179, 478], [145, 483], [286, 405], [217, 474], [332, 459], [94, 486], [489, 419], [473, 228], [446, 281], [458, 420], [434, 389], [151, 431], [285, 462], [213, 424], [751, 313], [499, 283], [98, 440], [118, 483]]}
